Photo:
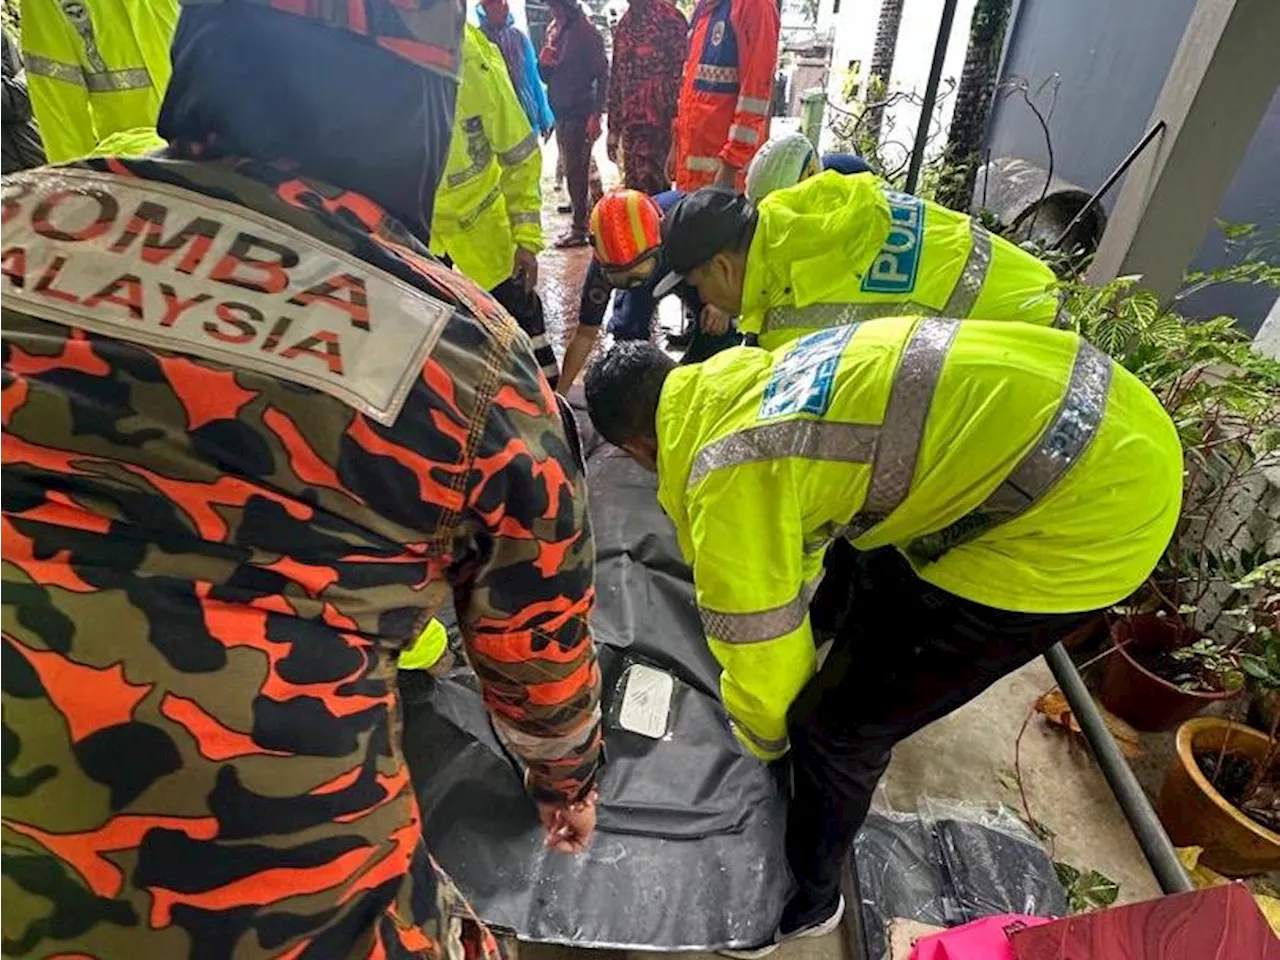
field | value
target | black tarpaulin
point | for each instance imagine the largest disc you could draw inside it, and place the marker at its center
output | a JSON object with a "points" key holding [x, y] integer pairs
{"points": [[688, 851]]}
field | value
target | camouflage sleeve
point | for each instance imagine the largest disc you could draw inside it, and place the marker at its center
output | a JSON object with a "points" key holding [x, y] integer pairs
{"points": [[523, 589]]}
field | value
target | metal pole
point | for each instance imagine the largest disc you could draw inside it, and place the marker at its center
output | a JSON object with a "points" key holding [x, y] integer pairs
{"points": [[1155, 843], [1110, 182], [930, 94]]}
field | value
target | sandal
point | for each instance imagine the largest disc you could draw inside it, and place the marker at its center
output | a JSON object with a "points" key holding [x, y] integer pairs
{"points": [[572, 238]]}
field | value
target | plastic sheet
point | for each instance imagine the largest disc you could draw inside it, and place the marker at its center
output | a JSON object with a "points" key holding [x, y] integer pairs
{"points": [[947, 865], [688, 852], [993, 862]]}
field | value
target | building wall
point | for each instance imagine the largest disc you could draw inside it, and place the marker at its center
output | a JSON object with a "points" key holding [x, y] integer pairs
{"points": [[855, 31], [1112, 59]]}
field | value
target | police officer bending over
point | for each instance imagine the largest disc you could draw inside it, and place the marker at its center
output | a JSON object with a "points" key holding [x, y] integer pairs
{"points": [[992, 505]]}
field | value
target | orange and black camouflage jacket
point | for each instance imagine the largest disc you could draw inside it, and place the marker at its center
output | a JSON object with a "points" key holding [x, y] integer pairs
{"points": [[253, 437]]}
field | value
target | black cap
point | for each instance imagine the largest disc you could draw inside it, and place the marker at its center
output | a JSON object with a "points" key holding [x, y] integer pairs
{"points": [[697, 228]]}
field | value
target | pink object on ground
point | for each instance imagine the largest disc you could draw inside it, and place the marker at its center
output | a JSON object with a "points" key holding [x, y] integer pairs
{"points": [[985, 939]]}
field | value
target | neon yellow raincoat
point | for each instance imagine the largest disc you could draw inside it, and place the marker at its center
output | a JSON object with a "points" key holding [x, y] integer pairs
{"points": [[490, 199], [95, 68], [430, 646], [1013, 465], [837, 249]]}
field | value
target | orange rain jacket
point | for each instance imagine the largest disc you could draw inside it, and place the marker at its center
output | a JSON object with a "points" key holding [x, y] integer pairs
{"points": [[723, 114]]}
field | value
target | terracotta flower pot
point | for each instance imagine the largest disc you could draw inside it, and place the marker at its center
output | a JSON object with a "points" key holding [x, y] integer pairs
{"points": [[1195, 814], [1135, 694]]}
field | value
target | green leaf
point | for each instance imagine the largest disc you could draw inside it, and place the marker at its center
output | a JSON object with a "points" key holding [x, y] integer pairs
{"points": [[1086, 890], [1097, 889]]}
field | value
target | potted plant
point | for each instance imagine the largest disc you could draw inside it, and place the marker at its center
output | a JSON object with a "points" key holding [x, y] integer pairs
{"points": [[1222, 791], [1175, 648], [1161, 671]]}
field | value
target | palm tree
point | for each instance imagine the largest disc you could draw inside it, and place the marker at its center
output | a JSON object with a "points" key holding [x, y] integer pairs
{"points": [[974, 97], [882, 61]]}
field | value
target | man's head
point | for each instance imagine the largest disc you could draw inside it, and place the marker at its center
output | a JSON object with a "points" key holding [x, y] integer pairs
{"points": [[562, 9], [495, 11], [623, 388], [626, 232], [705, 238], [782, 162], [361, 103]]}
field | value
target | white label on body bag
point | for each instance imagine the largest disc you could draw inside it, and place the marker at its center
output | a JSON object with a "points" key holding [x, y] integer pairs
{"points": [[646, 701]]}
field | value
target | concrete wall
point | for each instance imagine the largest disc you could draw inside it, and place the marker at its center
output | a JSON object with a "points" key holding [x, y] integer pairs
{"points": [[1112, 59]]}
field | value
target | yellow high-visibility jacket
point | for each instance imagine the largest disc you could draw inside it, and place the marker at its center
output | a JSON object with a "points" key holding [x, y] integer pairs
{"points": [[430, 646], [95, 68], [490, 199], [130, 143], [1013, 465], [837, 249]]}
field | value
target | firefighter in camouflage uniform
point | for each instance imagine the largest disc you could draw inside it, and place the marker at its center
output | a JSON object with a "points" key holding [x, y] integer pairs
{"points": [[254, 437]]}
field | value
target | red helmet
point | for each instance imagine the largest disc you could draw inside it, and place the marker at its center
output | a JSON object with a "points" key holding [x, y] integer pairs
{"points": [[626, 228]]}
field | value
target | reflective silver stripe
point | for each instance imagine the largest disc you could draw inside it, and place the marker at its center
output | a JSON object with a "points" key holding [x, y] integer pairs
{"points": [[753, 105], [743, 134], [819, 316], [768, 746], [135, 78], [479, 163], [537, 746], [715, 74], [965, 293], [904, 419], [468, 221], [702, 164], [526, 217], [757, 627], [811, 439], [55, 69], [521, 151], [1063, 442]]}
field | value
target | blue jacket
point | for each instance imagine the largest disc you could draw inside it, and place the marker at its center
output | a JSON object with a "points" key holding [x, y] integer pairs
{"points": [[522, 65]]}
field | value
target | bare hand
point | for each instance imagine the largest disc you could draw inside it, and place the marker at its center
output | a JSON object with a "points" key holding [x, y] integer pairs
{"points": [[727, 176], [611, 147], [569, 826], [593, 127], [526, 269], [713, 321], [672, 159]]}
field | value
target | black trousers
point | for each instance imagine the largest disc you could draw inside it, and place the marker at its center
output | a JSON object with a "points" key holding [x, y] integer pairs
{"points": [[526, 307], [905, 654]]}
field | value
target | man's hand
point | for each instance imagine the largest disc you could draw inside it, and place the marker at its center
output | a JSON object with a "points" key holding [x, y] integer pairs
{"points": [[569, 826], [611, 147], [727, 176], [673, 157], [526, 269], [713, 321], [593, 127]]}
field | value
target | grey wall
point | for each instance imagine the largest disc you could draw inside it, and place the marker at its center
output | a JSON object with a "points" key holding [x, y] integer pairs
{"points": [[1253, 197], [1112, 57]]}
